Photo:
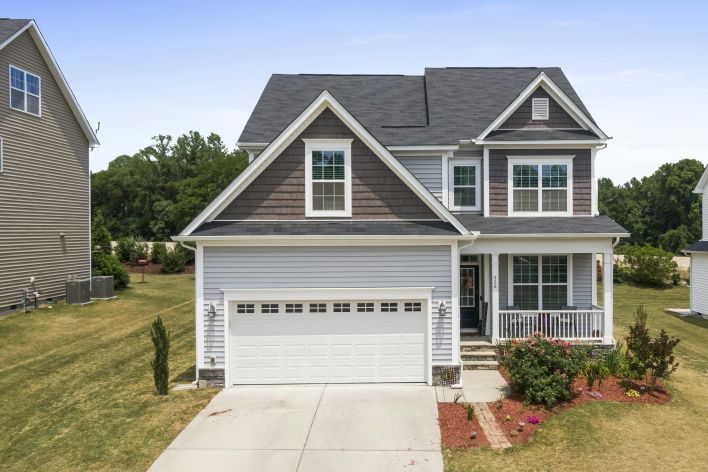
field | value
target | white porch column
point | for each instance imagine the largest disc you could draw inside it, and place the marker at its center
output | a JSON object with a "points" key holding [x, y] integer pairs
{"points": [[607, 298], [494, 306]]}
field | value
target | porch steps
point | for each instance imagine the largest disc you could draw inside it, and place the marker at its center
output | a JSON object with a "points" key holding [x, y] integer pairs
{"points": [[478, 353]]}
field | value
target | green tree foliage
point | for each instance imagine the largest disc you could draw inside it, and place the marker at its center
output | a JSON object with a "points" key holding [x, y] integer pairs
{"points": [[108, 264], [658, 209], [100, 236], [160, 189], [173, 261], [647, 265], [160, 366]]}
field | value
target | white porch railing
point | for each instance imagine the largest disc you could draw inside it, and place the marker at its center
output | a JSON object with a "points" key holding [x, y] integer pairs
{"points": [[583, 325]]}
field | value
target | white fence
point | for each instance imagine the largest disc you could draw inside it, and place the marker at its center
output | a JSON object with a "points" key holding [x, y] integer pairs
{"points": [[583, 325]]}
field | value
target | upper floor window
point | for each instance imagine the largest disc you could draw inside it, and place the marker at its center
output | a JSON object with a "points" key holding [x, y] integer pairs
{"points": [[25, 91], [463, 185], [540, 187], [539, 108], [328, 189]]}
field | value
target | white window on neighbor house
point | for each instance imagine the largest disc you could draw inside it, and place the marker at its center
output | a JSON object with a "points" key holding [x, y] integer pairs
{"points": [[25, 91], [328, 189], [539, 108], [540, 187], [464, 190], [540, 282]]}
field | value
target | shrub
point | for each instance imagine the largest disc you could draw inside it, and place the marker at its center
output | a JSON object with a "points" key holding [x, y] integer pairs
{"points": [[649, 265], [173, 261], [616, 360], [160, 367], [675, 239], [595, 370], [100, 236], [158, 250], [469, 409], [619, 273], [131, 249], [108, 264], [544, 369], [188, 254]]}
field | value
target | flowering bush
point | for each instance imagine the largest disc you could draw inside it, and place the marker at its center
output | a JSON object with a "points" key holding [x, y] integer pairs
{"points": [[533, 420], [544, 369]]}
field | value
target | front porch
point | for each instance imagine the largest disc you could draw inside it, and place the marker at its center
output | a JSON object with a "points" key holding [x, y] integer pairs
{"points": [[536, 286]]}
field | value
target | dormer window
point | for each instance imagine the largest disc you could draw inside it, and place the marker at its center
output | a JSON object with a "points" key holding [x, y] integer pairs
{"points": [[328, 190], [539, 109], [25, 91]]}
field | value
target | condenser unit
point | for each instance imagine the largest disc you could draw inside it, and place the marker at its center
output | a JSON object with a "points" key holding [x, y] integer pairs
{"points": [[78, 291], [102, 287]]}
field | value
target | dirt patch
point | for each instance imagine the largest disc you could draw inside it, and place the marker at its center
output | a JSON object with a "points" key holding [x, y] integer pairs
{"points": [[455, 430]]}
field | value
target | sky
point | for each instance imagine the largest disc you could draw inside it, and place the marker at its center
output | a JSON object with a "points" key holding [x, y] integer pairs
{"points": [[143, 68]]}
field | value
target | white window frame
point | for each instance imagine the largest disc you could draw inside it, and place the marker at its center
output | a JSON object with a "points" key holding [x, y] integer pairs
{"points": [[451, 164], [535, 115], [540, 161], [539, 284], [328, 145], [11, 88]]}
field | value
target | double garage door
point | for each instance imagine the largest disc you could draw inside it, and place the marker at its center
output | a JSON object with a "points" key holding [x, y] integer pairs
{"points": [[345, 341]]}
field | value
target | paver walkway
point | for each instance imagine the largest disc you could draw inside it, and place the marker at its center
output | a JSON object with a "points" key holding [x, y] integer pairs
{"points": [[489, 424]]}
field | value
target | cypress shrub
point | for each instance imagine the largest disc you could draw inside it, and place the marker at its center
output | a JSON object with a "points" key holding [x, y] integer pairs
{"points": [[160, 368]]}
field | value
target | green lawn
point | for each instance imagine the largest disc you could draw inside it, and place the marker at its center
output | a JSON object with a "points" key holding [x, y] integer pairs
{"points": [[76, 390], [612, 436]]}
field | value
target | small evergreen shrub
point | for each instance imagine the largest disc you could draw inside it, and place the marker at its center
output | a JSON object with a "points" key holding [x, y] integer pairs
{"points": [[100, 236], [158, 251], [188, 254], [647, 265], [173, 261], [131, 249], [108, 264], [160, 367], [544, 369]]}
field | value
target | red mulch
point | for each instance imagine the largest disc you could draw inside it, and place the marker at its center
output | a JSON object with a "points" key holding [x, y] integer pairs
{"points": [[611, 390], [455, 430]]}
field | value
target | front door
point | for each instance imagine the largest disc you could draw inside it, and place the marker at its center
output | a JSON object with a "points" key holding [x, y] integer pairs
{"points": [[469, 296]]}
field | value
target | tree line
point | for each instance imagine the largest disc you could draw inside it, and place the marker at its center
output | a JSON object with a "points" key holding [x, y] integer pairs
{"points": [[154, 193]]}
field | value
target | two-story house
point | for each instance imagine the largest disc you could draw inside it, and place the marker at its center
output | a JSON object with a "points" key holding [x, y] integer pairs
{"points": [[699, 257], [384, 218], [45, 211]]}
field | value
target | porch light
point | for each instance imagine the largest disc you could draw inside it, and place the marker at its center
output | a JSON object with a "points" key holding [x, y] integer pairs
{"points": [[212, 311], [442, 309]]}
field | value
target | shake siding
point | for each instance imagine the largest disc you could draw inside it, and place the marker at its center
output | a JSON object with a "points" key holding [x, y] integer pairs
{"points": [[279, 192], [44, 187], [428, 170], [499, 170], [326, 267], [558, 118]]}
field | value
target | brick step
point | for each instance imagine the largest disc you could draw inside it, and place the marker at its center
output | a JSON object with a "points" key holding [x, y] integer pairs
{"points": [[480, 365], [478, 355]]}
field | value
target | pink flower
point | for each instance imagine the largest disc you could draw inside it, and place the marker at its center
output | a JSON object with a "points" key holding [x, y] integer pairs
{"points": [[533, 420]]}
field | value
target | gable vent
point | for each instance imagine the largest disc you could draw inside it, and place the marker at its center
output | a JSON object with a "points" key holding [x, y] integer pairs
{"points": [[539, 109]]}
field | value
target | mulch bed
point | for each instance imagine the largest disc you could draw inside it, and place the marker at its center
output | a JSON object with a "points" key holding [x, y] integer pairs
{"points": [[455, 430], [611, 390]]}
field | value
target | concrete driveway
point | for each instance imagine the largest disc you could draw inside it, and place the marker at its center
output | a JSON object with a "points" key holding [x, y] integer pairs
{"points": [[311, 428]]}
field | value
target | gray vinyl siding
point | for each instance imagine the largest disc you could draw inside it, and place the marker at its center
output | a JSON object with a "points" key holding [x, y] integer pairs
{"points": [[582, 280], [428, 170], [326, 267], [44, 186]]}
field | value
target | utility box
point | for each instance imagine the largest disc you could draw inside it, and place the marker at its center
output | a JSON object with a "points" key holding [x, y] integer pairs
{"points": [[102, 287], [78, 291]]}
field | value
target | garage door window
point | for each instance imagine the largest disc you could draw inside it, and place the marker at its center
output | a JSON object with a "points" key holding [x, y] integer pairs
{"points": [[389, 307], [242, 308], [413, 306], [268, 308], [365, 307], [318, 307], [293, 308], [341, 307]]}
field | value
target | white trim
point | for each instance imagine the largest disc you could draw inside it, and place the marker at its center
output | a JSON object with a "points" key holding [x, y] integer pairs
{"points": [[25, 91], [199, 304], [323, 101], [59, 77], [540, 161], [466, 162], [485, 186], [557, 94], [494, 302], [702, 182], [455, 257], [444, 175], [540, 108], [564, 143], [593, 184], [539, 284], [552, 235], [314, 240], [312, 145], [594, 278]]}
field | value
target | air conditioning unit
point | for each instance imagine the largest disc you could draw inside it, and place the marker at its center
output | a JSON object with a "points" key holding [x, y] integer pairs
{"points": [[78, 291], [102, 287]]}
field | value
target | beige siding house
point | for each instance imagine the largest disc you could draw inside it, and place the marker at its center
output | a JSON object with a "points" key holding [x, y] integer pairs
{"points": [[44, 174]]}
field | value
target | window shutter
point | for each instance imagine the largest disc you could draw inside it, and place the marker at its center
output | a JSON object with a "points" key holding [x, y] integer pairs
{"points": [[539, 109]]}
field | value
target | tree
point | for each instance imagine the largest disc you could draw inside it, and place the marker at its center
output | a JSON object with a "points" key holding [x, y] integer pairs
{"points": [[100, 236], [160, 367]]}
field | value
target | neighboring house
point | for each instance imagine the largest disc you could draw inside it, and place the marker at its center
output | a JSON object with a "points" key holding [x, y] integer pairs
{"points": [[699, 257], [381, 214], [45, 229]]}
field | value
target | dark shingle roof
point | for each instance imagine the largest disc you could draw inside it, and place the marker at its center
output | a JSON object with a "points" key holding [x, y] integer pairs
{"points": [[540, 135], [326, 228], [441, 107], [9, 26], [541, 225], [700, 246]]}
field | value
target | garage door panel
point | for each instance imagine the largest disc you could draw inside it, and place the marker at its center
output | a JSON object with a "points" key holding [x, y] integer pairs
{"points": [[330, 347]]}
